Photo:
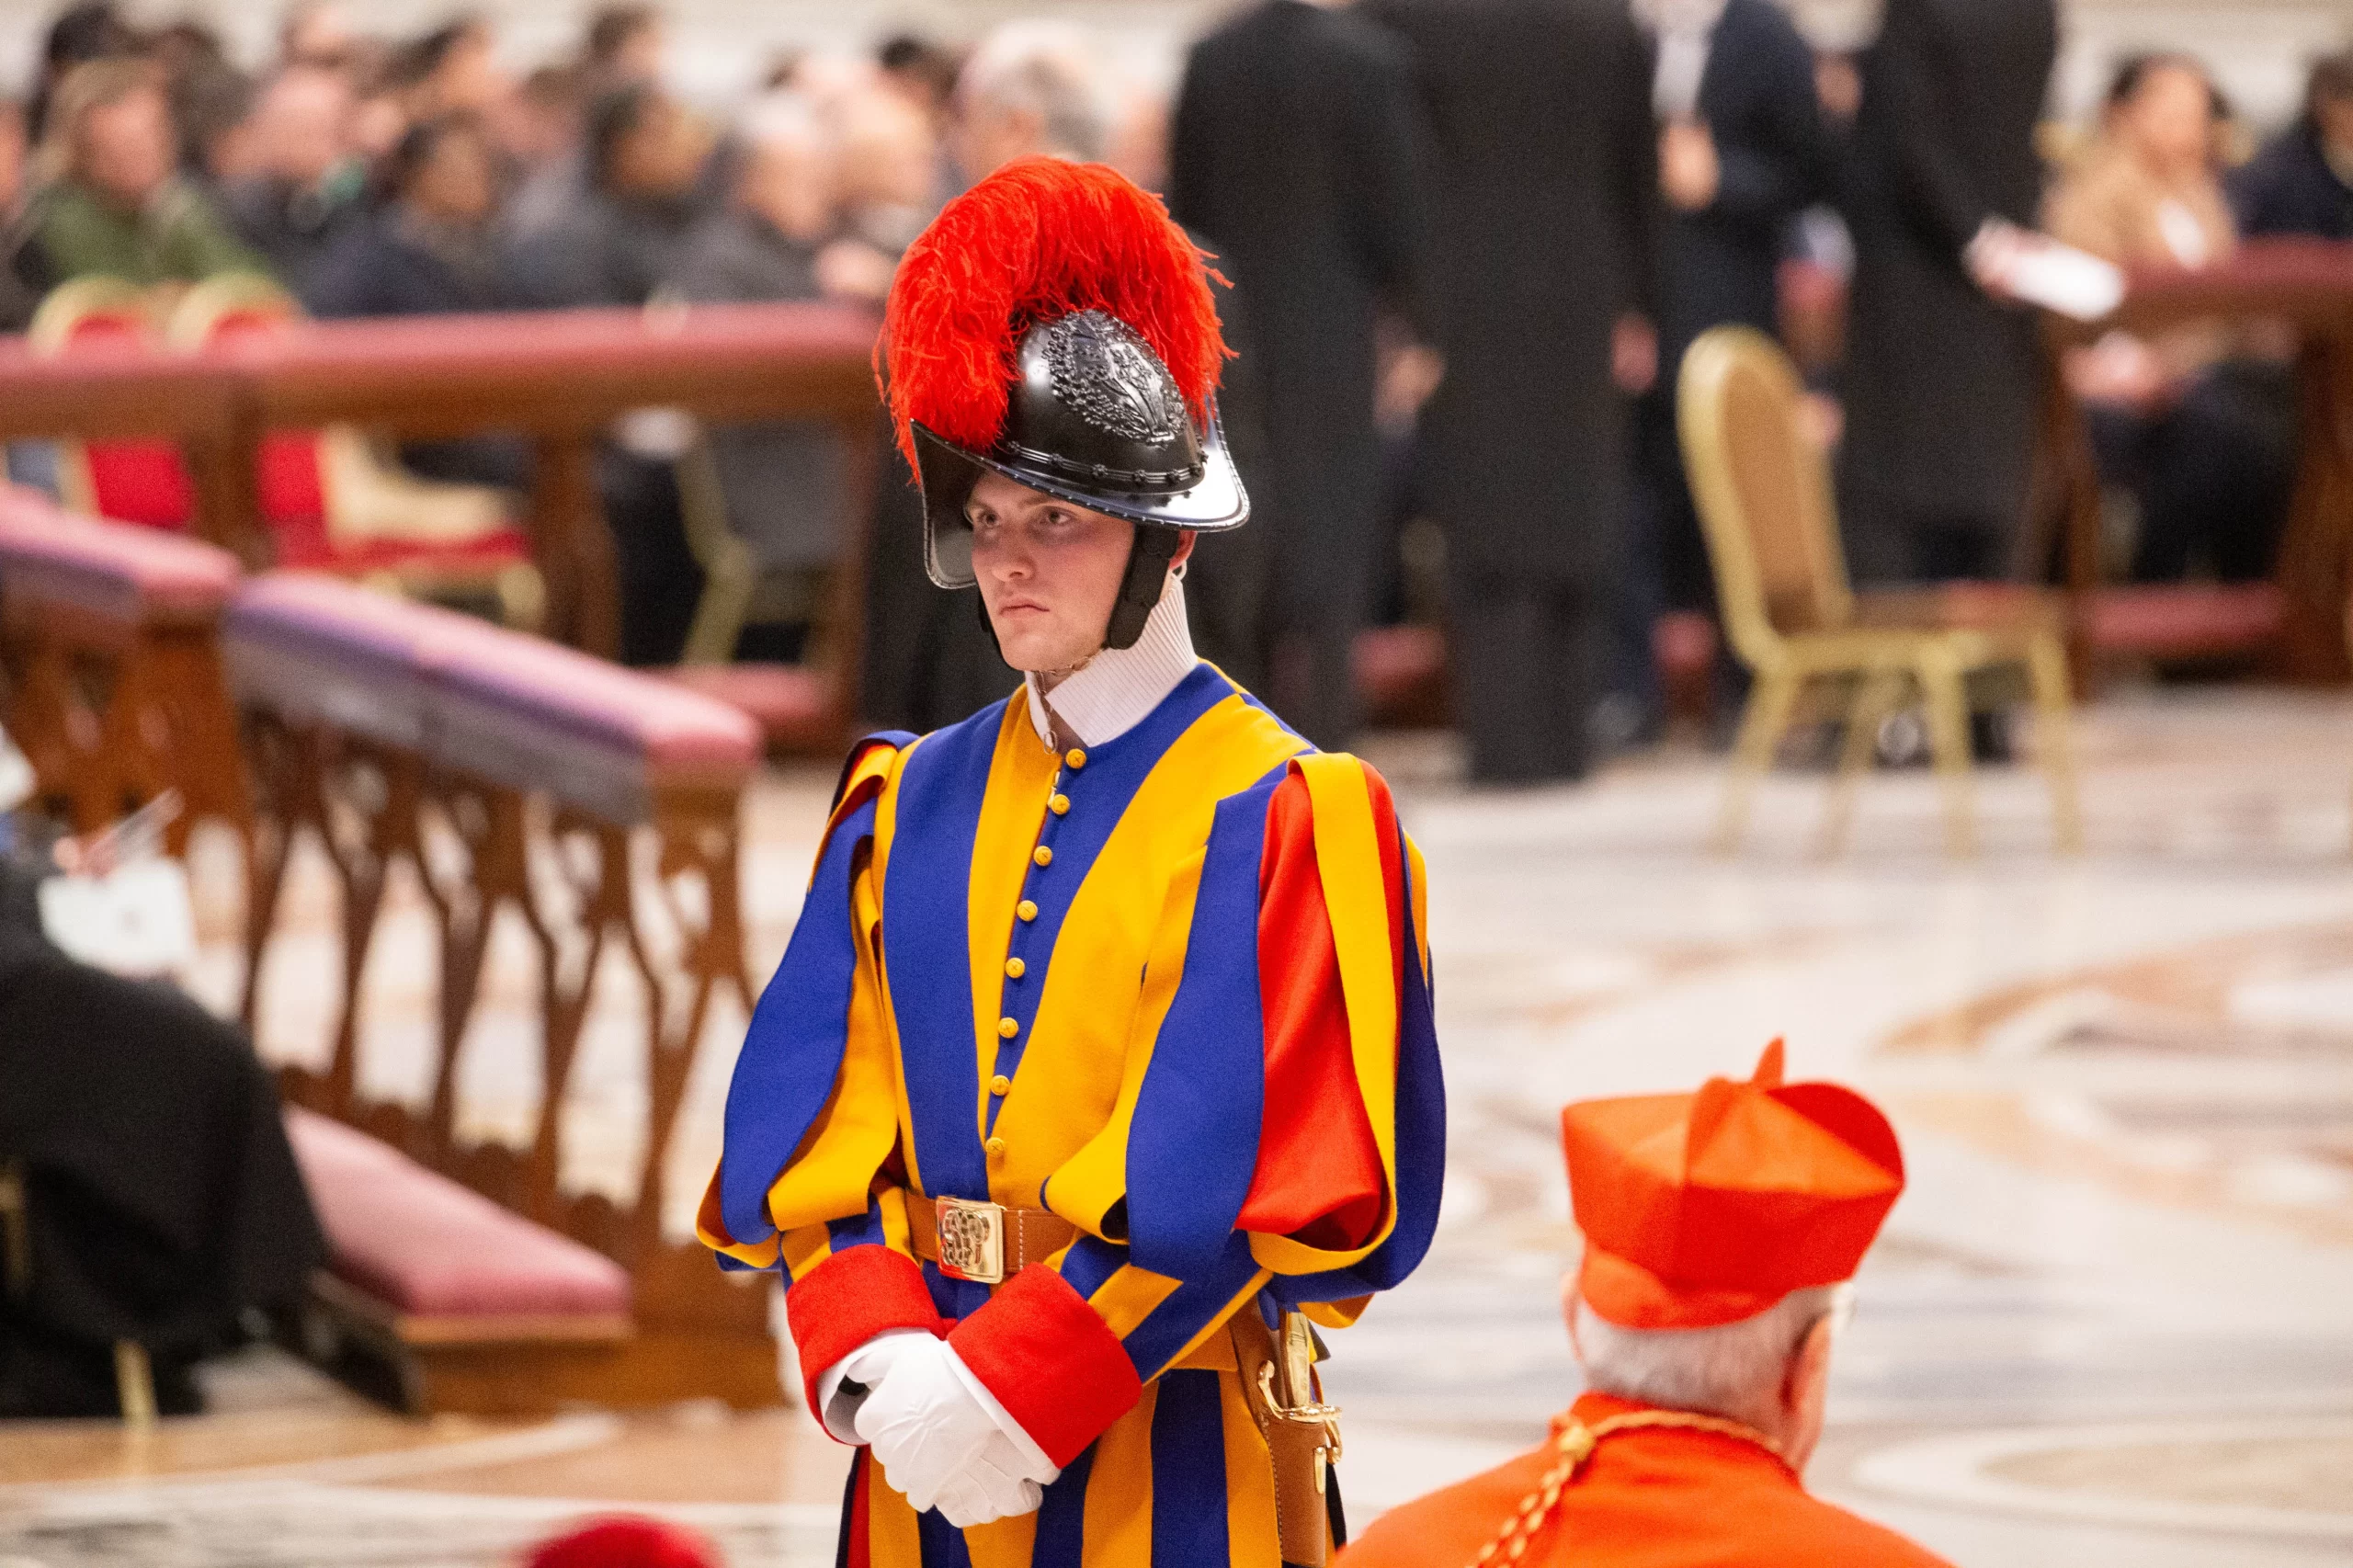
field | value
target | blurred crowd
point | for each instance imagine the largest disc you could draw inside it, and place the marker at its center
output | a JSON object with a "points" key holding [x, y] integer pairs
{"points": [[1462, 249]]}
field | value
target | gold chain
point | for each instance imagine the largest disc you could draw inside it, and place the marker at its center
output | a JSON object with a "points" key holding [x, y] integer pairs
{"points": [[1574, 1443]]}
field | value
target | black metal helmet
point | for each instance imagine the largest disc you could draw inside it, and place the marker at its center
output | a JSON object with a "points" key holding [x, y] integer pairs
{"points": [[1092, 413]]}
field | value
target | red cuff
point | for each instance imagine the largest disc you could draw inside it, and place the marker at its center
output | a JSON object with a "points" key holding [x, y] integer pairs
{"points": [[1050, 1361], [848, 1300]]}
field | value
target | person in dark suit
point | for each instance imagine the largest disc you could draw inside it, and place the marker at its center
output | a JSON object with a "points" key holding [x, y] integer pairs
{"points": [[1943, 376], [1295, 155], [428, 248], [1742, 153], [1545, 193], [304, 193], [2302, 183]]}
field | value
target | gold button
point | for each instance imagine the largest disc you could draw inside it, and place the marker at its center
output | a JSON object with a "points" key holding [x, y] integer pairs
{"points": [[1015, 968], [1008, 1027], [1059, 804], [1077, 758], [1044, 856], [1027, 910], [1000, 1085], [996, 1147]]}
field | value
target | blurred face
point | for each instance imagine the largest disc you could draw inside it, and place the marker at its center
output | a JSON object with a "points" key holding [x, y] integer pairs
{"points": [[664, 155], [470, 77], [12, 159], [456, 186], [1049, 573], [989, 136], [302, 127], [2169, 122], [639, 59], [127, 147], [887, 152], [788, 181], [2336, 117]]}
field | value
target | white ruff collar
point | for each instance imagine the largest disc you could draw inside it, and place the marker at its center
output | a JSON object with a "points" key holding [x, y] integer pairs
{"points": [[1119, 687]]}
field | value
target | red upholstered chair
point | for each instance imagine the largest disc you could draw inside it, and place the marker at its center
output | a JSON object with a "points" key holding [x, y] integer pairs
{"points": [[134, 481], [331, 506]]}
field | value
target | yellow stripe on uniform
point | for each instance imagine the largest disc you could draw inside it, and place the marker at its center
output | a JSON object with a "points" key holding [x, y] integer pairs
{"points": [[1249, 1482], [1119, 1491], [1130, 1296], [1005, 1543], [886, 827], [1091, 1181], [1013, 810], [892, 1539]]}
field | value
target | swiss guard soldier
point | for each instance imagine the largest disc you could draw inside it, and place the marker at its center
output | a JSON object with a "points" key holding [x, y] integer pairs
{"points": [[1102, 1060], [1721, 1229]]}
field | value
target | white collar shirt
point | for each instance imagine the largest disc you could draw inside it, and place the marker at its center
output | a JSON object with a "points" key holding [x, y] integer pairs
{"points": [[1119, 687]]}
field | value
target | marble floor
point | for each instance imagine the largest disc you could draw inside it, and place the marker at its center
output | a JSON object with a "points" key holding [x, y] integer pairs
{"points": [[2108, 1323]]}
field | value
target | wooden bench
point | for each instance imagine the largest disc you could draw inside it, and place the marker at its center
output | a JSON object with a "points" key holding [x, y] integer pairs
{"points": [[114, 689], [513, 775]]}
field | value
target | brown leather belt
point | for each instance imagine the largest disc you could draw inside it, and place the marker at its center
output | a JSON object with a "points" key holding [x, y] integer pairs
{"points": [[989, 1243]]}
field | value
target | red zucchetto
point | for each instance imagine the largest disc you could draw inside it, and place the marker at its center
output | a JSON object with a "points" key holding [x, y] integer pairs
{"points": [[1704, 1209]]}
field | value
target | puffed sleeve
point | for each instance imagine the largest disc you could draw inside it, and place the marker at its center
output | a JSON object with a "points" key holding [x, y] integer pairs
{"points": [[810, 1181]]}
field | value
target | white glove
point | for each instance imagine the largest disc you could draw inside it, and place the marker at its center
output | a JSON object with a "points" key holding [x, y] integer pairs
{"points": [[862, 1370], [945, 1442]]}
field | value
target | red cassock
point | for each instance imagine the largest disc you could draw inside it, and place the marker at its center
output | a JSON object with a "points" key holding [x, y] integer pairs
{"points": [[1655, 1497]]}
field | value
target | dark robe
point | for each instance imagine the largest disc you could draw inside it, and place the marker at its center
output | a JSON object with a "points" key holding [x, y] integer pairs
{"points": [[1294, 153], [2290, 188], [1719, 266], [295, 231], [1543, 196], [782, 482], [164, 1199], [609, 251], [1943, 383]]}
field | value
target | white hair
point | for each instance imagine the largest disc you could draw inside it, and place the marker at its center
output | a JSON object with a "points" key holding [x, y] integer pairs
{"points": [[1736, 1370], [1048, 69]]}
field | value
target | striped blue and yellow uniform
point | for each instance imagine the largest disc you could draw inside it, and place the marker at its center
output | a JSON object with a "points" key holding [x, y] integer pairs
{"points": [[1172, 987]]}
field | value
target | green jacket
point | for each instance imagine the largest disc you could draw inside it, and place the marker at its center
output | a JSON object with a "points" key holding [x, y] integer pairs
{"points": [[178, 237]]}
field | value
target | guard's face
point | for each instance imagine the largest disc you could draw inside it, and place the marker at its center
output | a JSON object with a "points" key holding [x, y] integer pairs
{"points": [[1049, 573]]}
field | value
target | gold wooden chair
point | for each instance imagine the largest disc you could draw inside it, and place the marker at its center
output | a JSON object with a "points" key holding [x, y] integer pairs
{"points": [[1764, 497]]}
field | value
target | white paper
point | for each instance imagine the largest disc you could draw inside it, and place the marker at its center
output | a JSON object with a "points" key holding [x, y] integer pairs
{"points": [[135, 920]]}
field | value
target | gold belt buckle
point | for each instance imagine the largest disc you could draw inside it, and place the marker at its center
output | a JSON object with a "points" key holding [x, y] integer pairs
{"points": [[972, 1240]]}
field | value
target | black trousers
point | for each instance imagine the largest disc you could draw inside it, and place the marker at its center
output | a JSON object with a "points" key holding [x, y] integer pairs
{"points": [[2213, 472], [1528, 656], [661, 581]]}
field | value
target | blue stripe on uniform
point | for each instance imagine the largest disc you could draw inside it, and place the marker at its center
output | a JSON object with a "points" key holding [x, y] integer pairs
{"points": [[1194, 1142], [1184, 1312], [792, 1051], [1060, 1541], [925, 894], [1188, 1471]]}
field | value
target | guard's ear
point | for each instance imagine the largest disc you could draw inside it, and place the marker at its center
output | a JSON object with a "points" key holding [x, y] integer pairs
{"points": [[1184, 537]]}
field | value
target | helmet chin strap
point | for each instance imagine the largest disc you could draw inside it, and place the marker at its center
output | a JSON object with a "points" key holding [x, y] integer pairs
{"points": [[1141, 587]]}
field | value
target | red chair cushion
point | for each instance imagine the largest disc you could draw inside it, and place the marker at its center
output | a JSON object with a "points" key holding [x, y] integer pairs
{"points": [[132, 481], [2187, 620], [418, 1242], [287, 471], [1401, 674]]}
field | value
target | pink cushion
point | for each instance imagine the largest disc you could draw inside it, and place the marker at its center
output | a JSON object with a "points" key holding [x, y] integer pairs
{"points": [[421, 1243], [311, 646], [537, 682], [792, 704], [115, 568], [2184, 620]]}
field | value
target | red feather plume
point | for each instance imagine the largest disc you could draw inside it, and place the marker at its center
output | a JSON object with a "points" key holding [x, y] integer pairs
{"points": [[1039, 239]]}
